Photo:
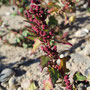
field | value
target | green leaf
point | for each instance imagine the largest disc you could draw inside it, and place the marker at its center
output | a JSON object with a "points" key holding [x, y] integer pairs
{"points": [[89, 9], [25, 33], [14, 14], [23, 0], [47, 21], [52, 43], [21, 10], [46, 30], [44, 60], [56, 0], [52, 21], [31, 38], [32, 33], [79, 77], [37, 18], [77, 0], [54, 74], [17, 40], [88, 78], [30, 22], [32, 16], [32, 86], [25, 45]]}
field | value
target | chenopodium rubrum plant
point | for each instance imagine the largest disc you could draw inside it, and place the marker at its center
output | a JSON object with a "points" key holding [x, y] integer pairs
{"points": [[44, 36]]}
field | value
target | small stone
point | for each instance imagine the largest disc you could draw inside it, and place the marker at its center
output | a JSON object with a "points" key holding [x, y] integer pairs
{"points": [[13, 9], [62, 56], [25, 84], [78, 49], [87, 72], [81, 33], [58, 62], [3, 24], [73, 41], [11, 38], [19, 88], [81, 86], [86, 30], [85, 5], [86, 50], [68, 64], [25, 68], [6, 74], [78, 58], [28, 74], [12, 82], [7, 13], [1, 88], [88, 88], [79, 63], [4, 85], [77, 12]]}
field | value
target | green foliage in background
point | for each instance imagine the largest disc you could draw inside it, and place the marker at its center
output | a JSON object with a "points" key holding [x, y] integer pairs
{"points": [[4, 2]]}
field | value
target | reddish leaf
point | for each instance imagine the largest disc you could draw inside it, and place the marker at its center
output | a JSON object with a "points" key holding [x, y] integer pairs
{"points": [[58, 39], [36, 45], [65, 35], [62, 66], [54, 9], [44, 60], [48, 84]]}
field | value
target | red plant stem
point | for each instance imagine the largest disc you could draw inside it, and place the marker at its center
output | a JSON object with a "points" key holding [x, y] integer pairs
{"points": [[14, 2]]}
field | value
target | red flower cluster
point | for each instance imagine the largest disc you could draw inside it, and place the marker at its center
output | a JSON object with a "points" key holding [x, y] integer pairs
{"points": [[67, 82], [52, 52], [37, 16]]}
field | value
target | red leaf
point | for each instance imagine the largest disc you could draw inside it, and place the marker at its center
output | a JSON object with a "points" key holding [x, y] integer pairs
{"points": [[48, 84], [65, 35], [36, 45]]}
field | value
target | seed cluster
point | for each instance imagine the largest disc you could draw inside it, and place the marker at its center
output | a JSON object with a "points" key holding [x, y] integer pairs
{"points": [[37, 16], [67, 82]]}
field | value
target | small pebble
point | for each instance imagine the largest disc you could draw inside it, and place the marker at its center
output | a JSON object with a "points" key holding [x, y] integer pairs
{"points": [[58, 62], [87, 72], [6, 74], [81, 33], [88, 88], [12, 82], [86, 50], [25, 84], [7, 13], [19, 88], [62, 56]]}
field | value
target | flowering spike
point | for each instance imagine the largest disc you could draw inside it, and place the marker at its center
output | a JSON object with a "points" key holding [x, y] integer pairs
{"points": [[32, 1], [67, 82]]}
